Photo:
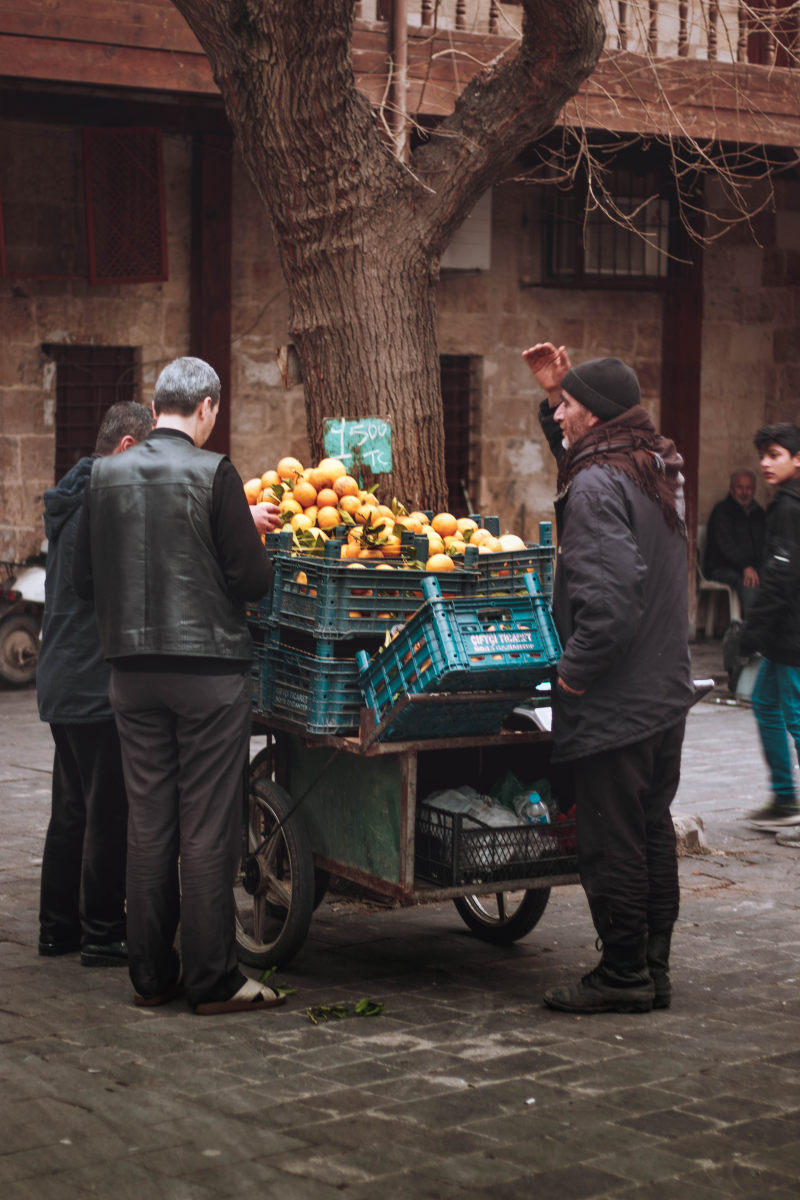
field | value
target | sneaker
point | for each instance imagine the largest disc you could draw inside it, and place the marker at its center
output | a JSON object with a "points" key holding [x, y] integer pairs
{"points": [[774, 815], [790, 838]]}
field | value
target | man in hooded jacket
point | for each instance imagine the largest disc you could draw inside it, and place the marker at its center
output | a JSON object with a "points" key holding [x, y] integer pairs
{"points": [[82, 898], [623, 683]]}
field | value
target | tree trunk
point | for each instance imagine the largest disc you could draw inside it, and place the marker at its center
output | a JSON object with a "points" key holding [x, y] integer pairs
{"points": [[359, 234]]}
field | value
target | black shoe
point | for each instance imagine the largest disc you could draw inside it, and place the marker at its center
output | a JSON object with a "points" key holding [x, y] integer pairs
{"points": [[109, 954], [658, 947], [50, 948], [594, 995]]}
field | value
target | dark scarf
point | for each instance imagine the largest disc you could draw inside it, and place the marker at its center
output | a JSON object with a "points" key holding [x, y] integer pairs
{"points": [[630, 443]]}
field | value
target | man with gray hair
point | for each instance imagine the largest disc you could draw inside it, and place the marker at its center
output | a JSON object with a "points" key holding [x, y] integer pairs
{"points": [[82, 893], [168, 548], [735, 540]]}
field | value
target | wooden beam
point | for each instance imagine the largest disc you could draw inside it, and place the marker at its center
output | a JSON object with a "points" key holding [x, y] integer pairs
{"points": [[146, 45], [210, 287]]}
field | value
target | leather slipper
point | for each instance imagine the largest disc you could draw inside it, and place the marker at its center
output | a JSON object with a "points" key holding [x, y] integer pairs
{"points": [[250, 996], [174, 992]]}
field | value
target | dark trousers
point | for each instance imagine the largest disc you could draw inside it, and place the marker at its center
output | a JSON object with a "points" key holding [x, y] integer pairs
{"points": [[184, 744], [83, 867], [626, 840]]}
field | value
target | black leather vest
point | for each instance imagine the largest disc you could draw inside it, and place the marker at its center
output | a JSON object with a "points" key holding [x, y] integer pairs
{"points": [[159, 587]]}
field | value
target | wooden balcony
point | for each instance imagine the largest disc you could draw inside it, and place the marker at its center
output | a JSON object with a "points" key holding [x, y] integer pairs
{"points": [[717, 69]]}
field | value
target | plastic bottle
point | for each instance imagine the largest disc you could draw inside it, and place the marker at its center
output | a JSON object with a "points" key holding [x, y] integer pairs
{"points": [[531, 808]]}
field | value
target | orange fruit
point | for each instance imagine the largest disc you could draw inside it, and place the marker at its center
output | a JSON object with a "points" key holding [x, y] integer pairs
{"points": [[391, 547], [435, 543], [304, 493], [319, 479], [288, 467], [440, 562], [420, 516], [350, 504], [454, 544], [479, 536], [445, 524], [345, 485], [300, 521], [363, 513], [383, 510], [510, 541], [328, 517], [350, 550], [301, 578], [290, 505], [368, 498], [327, 498], [465, 523], [252, 490], [373, 552], [270, 477], [333, 468]]}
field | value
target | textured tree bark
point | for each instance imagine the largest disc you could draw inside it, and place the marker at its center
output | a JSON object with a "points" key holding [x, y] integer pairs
{"points": [[359, 233]]}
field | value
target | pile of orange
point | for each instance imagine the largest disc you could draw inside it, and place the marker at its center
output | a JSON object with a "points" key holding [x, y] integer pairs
{"points": [[315, 500]]}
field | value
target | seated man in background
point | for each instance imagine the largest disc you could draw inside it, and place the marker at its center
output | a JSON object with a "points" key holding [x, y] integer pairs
{"points": [[735, 541]]}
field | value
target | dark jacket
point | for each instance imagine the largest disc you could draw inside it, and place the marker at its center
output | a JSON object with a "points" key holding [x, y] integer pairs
{"points": [[620, 605], [165, 583], [71, 676], [735, 538], [773, 623]]}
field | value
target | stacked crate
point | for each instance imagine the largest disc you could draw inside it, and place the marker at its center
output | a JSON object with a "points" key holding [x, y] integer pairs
{"points": [[322, 614]]}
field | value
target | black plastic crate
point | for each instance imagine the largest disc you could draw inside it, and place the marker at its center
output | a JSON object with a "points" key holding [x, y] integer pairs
{"points": [[447, 853]]}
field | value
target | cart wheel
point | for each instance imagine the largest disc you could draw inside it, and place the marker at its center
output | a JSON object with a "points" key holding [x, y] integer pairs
{"points": [[274, 894], [504, 917], [19, 649]]}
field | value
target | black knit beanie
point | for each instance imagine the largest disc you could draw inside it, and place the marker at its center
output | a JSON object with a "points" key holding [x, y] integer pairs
{"points": [[606, 386]]}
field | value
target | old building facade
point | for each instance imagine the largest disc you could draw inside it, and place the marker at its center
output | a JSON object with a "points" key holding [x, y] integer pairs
{"points": [[92, 94]]}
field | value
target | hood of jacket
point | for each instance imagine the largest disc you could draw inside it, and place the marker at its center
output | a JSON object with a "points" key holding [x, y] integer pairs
{"points": [[61, 501]]}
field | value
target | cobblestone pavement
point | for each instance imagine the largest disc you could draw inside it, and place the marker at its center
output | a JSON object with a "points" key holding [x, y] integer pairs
{"points": [[465, 1087]]}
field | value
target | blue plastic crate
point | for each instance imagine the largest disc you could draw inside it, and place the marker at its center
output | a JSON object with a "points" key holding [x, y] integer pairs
{"points": [[316, 693], [323, 595], [464, 645]]}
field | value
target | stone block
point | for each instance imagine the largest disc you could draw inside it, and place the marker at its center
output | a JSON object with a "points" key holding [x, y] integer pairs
{"points": [[690, 835]]}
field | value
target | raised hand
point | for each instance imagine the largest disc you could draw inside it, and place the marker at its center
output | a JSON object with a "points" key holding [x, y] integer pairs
{"points": [[548, 364]]}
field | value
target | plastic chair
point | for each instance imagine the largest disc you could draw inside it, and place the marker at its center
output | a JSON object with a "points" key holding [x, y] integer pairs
{"points": [[711, 589]]}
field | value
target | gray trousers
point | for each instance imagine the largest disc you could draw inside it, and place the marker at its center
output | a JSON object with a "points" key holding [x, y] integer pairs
{"points": [[184, 744]]}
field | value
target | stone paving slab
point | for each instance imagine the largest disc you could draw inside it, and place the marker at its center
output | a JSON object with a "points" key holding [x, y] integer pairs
{"points": [[466, 1087]]}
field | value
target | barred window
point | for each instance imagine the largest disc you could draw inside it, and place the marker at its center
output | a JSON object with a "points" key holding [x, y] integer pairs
{"points": [[581, 246], [124, 205], [461, 405], [89, 379], [82, 205]]}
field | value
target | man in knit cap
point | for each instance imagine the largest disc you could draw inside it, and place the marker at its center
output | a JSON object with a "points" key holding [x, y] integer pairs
{"points": [[623, 683]]}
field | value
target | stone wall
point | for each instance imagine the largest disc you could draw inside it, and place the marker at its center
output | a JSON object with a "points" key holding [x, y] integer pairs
{"points": [[751, 347], [751, 340], [154, 318]]}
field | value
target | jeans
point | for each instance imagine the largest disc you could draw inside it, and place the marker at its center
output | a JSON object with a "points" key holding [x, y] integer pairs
{"points": [[776, 706]]}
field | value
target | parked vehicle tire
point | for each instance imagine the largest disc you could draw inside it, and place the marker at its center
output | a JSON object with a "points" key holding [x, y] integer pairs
{"points": [[503, 917], [19, 649], [274, 893]]}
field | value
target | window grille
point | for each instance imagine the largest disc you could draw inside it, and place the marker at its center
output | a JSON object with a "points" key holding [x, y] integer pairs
{"points": [[78, 206], [89, 379], [126, 231], [583, 246], [461, 406]]}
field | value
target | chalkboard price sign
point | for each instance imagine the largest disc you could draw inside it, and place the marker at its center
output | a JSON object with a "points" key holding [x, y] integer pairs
{"points": [[359, 444]]}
